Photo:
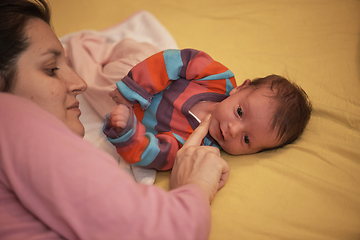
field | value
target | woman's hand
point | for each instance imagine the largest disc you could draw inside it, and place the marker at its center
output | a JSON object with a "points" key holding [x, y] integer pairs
{"points": [[201, 165]]}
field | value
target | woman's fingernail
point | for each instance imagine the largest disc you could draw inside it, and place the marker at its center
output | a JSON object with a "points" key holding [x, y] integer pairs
{"points": [[207, 118]]}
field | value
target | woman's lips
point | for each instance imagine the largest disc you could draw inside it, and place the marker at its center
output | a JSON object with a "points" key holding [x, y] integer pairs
{"points": [[75, 108]]}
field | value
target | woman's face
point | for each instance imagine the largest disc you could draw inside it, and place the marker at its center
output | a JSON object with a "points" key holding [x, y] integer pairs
{"points": [[44, 77]]}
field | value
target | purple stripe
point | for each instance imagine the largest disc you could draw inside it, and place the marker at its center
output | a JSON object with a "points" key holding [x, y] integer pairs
{"points": [[187, 55], [161, 159], [206, 96], [136, 88], [166, 106]]}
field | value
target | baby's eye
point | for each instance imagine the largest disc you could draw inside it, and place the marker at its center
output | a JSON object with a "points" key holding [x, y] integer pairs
{"points": [[246, 139], [239, 111]]}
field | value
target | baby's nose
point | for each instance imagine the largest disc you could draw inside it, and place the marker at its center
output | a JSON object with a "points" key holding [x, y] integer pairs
{"points": [[235, 128]]}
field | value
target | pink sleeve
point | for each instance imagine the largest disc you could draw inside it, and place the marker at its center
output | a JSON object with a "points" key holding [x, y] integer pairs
{"points": [[54, 184]]}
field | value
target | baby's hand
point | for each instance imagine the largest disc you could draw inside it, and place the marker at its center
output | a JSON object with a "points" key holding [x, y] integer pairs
{"points": [[118, 98], [119, 117]]}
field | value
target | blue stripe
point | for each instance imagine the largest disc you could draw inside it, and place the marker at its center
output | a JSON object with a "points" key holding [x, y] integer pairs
{"points": [[150, 152], [149, 119], [173, 63], [126, 136], [130, 95], [229, 87], [208, 142], [224, 75], [180, 139]]}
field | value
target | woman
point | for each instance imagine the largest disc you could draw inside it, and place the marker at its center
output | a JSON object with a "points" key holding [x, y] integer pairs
{"points": [[53, 184]]}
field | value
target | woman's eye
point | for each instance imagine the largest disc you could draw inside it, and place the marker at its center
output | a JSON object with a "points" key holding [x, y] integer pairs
{"points": [[246, 139], [239, 111], [52, 71]]}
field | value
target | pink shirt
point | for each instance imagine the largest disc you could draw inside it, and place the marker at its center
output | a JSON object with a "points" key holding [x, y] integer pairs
{"points": [[55, 185]]}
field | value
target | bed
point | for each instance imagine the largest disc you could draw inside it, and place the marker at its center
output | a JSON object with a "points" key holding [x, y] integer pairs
{"points": [[309, 189]]}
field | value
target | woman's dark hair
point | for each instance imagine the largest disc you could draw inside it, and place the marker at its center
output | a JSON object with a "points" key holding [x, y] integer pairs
{"points": [[14, 17]]}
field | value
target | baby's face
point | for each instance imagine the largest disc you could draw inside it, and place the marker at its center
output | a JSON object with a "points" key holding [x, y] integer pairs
{"points": [[241, 123]]}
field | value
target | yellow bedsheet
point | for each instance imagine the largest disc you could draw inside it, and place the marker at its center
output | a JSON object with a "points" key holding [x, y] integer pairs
{"points": [[311, 188]]}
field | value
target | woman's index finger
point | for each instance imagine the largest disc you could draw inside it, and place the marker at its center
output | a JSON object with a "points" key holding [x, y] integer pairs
{"points": [[199, 133]]}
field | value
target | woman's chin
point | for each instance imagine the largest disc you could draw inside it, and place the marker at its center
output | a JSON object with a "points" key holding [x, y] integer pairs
{"points": [[77, 128]]}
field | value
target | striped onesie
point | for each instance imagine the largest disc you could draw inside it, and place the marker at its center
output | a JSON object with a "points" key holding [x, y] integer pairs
{"points": [[163, 88]]}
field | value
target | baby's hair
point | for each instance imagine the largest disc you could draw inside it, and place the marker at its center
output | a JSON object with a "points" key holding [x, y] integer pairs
{"points": [[293, 109]]}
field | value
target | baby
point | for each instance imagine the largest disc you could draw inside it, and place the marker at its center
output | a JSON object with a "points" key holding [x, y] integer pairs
{"points": [[163, 99]]}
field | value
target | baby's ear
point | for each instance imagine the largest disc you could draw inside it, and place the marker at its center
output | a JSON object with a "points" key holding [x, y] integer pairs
{"points": [[245, 83]]}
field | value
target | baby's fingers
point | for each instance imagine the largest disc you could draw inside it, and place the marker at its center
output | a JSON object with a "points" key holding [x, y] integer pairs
{"points": [[118, 124], [119, 117]]}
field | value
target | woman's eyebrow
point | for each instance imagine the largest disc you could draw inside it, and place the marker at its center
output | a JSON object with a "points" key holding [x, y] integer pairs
{"points": [[52, 51]]}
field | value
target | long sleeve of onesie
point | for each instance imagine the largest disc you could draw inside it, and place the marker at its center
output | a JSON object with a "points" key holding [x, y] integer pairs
{"points": [[144, 85], [55, 185], [138, 147]]}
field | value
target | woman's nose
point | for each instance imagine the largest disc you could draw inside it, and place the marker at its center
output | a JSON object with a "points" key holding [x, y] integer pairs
{"points": [[75, 83]]}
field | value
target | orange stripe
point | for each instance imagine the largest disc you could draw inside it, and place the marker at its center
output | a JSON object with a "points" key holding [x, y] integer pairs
{"points": [[217, 86], [233, 81], [158, 73], [133, 154], [212, 69], [139, 113]]}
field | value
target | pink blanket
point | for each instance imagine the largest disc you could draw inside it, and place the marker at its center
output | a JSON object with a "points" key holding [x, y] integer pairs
{"points": [[103, 58], [102, 64]]}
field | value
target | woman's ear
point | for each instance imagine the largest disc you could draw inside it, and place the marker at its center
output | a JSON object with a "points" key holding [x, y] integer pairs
{"points": [[238, 88]]}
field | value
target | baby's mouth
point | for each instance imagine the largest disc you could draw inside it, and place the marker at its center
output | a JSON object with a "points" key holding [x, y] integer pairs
{"points": [[221, 133], [216, 134]]}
